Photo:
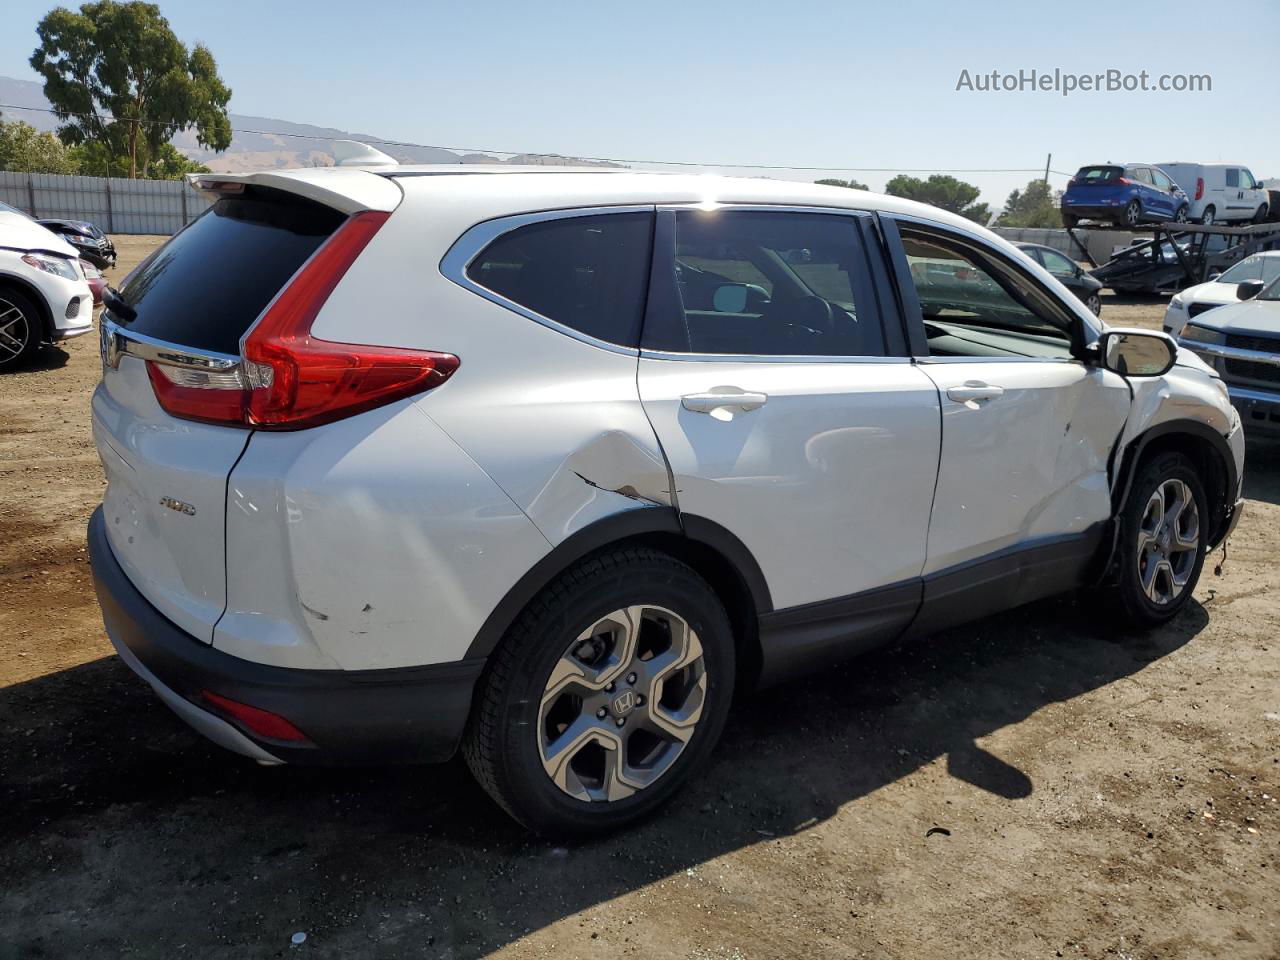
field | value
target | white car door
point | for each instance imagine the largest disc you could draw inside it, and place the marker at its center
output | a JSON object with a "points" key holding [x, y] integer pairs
{"points": [[1023, 493], [789, 412]]}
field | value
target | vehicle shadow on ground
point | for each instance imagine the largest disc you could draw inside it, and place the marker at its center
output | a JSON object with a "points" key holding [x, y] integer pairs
{"points": [[112, 807], [47, 358]]}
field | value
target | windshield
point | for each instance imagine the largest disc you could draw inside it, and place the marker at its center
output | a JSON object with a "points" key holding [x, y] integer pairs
{"points": [[1271, 291], [1265, 269]]}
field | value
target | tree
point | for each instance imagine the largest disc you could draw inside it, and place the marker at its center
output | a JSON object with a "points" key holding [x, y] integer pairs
{"points": [[1036, 205], [160, 163], [23, 147], [942, 191], [851, 184], [123, 60]]}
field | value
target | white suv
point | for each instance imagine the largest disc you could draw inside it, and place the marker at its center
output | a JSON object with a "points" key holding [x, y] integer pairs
{"points": [[44, 295], [547, 464]]}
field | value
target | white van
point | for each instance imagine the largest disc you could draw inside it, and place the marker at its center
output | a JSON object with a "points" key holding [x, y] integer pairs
{"points": [[1219, 191]]}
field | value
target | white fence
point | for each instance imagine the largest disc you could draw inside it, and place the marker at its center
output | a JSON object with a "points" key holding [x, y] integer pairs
{"points": [[115, 204], [1100, 242]]}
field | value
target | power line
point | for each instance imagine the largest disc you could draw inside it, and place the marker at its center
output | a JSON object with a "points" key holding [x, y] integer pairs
{"points": [[620, 160]]}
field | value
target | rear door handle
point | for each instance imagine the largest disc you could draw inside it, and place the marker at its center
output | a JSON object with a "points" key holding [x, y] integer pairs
{"points": [[974, 391], [718, 399]]}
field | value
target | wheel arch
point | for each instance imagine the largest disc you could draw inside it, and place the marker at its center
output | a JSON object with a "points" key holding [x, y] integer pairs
{"points": [[28, 290], [1206, 448], [718, 556]]}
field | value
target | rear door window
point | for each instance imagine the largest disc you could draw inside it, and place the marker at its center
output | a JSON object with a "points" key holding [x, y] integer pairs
{"points": [[1233, 177], [589, 273], [206, 286], [770, 284]]}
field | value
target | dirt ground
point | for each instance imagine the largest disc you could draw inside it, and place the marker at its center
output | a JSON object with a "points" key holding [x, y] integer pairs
{"points": [[1030, 786]]}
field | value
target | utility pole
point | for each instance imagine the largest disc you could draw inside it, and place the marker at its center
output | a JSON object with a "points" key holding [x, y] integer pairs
{"points": [[1048, 160]]}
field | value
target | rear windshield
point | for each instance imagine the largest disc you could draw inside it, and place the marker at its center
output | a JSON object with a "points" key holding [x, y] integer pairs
{"points": [[207, 285], [1099, 174]]}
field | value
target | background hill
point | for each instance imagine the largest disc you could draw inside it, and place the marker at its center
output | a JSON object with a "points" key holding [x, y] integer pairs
{"points": [[274, 143]]}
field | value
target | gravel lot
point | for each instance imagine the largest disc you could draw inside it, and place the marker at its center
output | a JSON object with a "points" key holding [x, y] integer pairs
{"points": [[1031, 786]]}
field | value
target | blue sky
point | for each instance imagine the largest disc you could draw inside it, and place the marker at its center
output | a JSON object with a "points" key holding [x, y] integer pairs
{"points": [[800, 83]]}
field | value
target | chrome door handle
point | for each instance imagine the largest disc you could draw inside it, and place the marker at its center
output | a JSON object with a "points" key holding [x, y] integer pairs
{"points": [[973, 391], [717, 399]]}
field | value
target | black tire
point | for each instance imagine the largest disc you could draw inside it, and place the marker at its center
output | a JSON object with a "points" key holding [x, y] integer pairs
{"points": [[1261, 215], [1125, 590], [501, 743], [1132, 213], [1182, 214], [20, 336], [1094, 303], [1210, 215]]}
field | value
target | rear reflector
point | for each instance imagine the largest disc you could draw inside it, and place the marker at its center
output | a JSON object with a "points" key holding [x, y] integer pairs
{"points": [[289, 379], [260, 722]]}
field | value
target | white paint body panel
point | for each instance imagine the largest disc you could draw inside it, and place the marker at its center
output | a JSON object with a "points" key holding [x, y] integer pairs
{"points": [[1025, 466], [828, 484], [176, 560], [386, 539], [369, 543], [20, 235]]}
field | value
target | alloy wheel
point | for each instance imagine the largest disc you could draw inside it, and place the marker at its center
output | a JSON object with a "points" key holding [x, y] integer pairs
{"points": [[1132, 213], [1168, 542], [621, 703], [14, 331], [1094, 303]]}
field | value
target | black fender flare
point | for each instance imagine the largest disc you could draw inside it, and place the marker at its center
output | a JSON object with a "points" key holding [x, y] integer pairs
{"points": [[617, 527], [1132, 456]]}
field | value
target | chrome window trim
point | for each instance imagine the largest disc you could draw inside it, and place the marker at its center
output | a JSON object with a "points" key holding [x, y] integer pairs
{"points": [[116, 341], [472, 243], [1082, 314]]}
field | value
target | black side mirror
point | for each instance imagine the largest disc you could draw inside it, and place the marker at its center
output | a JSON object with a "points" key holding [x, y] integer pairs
{"points": [[1249, 289]]}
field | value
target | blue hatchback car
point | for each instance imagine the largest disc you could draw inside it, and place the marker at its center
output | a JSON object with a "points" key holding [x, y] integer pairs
{"points": [[1124, 194]]}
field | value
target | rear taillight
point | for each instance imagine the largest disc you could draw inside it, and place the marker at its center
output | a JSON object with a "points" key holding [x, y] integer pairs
{"points": [[1199, 187], [288, 379], [1122, 182]]}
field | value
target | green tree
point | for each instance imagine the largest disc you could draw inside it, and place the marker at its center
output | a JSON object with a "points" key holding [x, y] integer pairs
{"points": [[23, 147], [942, 191], [124, 61], [1036, 205], [851, 184], [158, 163]]}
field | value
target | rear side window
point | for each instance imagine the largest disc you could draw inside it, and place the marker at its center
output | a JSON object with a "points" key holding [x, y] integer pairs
{"points": [[1233, 177], [771, 284], [1099, 174], [589, 273], [206, 286]]}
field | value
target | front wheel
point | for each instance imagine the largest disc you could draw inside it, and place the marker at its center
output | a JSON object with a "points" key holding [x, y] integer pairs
{"points": [[1182, 214], [1094, 303], [1162, 548], [20, 329], [1132, 213], [610, 689], [1261, 215]]}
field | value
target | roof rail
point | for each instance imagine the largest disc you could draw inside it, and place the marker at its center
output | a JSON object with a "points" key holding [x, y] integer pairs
{"points": [[353, 153]]}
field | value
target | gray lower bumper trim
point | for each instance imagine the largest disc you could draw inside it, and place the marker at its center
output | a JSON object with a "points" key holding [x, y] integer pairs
{"points": [[215, 728]]}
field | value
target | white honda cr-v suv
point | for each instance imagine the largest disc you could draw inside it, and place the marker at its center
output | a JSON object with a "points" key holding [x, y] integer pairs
{"points": [[545, 464]]}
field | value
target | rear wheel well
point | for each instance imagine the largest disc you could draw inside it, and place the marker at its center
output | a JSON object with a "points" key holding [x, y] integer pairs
{"points": [[20, 286], [729, 585]]}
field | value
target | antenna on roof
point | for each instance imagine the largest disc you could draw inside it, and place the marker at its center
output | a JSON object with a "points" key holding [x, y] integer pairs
{"points": [[353, 153]]}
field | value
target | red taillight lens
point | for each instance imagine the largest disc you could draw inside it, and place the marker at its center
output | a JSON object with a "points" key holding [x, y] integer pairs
{"points": [[289, 379], [1199, 187], [272, 726], [1122, 182]]}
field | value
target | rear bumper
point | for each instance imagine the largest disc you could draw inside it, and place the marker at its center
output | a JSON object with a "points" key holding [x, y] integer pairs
{"points": [[409, 715], [1102, 210]]}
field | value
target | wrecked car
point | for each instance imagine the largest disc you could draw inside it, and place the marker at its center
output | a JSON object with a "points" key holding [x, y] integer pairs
{"points": [[544, 464]]}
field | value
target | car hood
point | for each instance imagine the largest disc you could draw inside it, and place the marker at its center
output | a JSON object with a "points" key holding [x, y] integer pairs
{"points": [[1210, 292], [75, 226], [19, 233], [1260, 317]]}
